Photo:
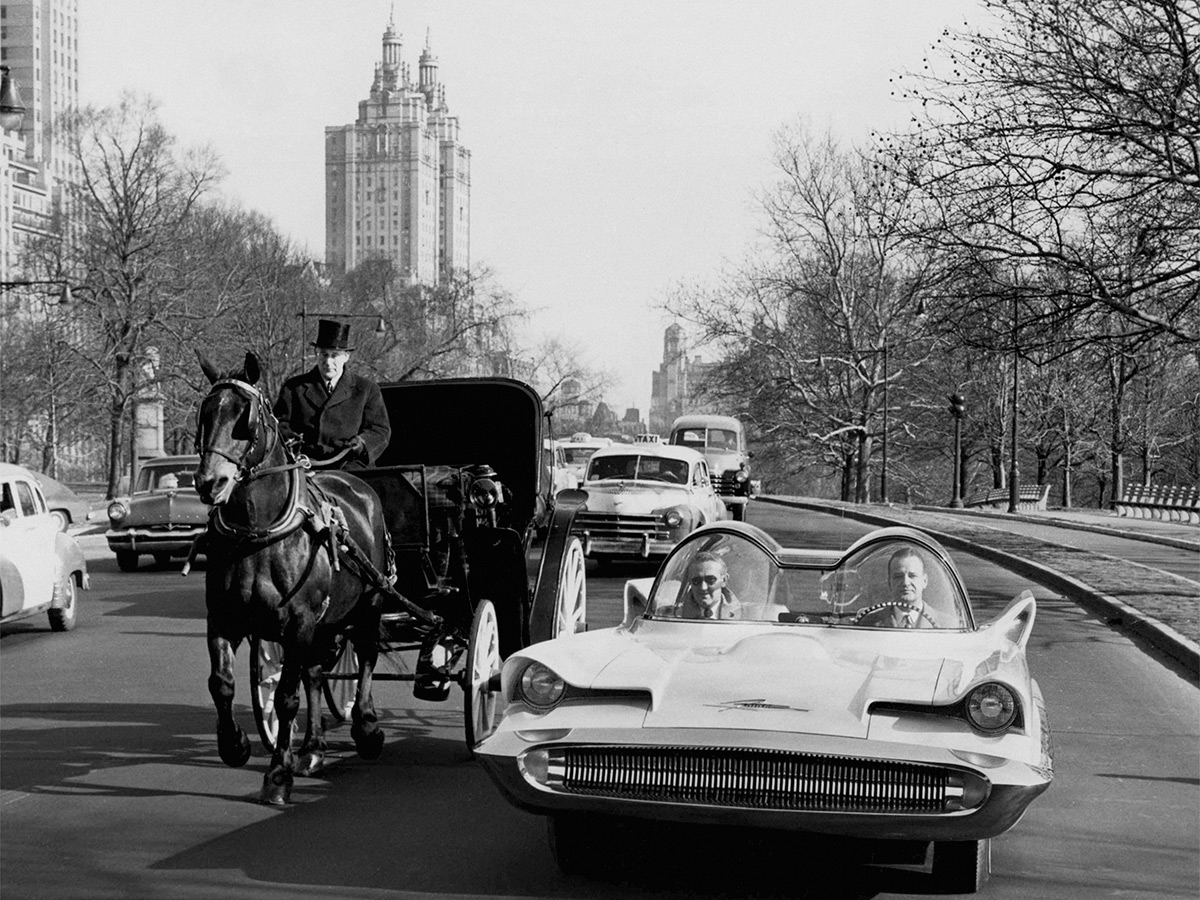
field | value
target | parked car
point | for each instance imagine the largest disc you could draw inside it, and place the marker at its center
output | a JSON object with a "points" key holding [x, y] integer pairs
{"points": [[642, 499], [578, 450], [722, 440], [65, 505], [41, 568], [554, 458], [163, 517], [808, 711]]}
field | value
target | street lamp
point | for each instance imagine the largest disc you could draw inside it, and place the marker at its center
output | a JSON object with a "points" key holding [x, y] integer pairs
{"points": [[958, 408], [12, 110], [1014, 475]]}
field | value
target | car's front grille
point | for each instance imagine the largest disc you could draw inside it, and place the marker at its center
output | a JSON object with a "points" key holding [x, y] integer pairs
{"points": [[756, 779], [727, 485], [611, 526]]}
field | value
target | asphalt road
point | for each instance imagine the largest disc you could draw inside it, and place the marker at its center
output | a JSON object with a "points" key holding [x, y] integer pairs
{"points": [[110, 785]]}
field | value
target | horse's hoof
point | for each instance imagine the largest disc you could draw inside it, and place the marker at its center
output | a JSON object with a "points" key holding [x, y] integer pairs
{"points": [[233, 746], [277, 788], [369, 744], [310, 763]]}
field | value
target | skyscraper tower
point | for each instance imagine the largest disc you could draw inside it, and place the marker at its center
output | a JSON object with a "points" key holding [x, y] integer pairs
{"points": [[398, 180]]}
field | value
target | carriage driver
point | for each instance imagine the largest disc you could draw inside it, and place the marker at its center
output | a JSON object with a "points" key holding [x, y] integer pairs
{"points": [[329, 408]]}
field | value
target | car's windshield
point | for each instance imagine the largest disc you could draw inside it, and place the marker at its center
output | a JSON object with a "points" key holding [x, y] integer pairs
{"points": [[578, 456], [890, 584], [636, 466], [702, 438], [166, 477]]}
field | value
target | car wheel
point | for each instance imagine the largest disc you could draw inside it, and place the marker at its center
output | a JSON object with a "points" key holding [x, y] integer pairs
{"points": [[572, 845], [739, 512], [62, 618], [63, 520], [127, 560], [961, 867]]}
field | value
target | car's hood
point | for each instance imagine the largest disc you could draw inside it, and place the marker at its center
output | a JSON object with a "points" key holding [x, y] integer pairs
{"points": [[630, 496], [764, 678], [722, 460], [181, 507]]}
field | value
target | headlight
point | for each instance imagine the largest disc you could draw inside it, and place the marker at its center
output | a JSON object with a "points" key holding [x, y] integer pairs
{"points": [[741, 475], [540, 687], [991, 708], [484, 493], [673, 518], [117, 511]]}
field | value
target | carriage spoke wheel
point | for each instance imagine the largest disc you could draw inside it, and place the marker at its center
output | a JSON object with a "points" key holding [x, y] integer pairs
{"points": [[266, 665], [481, 700], [340, 689], [570, 612]]}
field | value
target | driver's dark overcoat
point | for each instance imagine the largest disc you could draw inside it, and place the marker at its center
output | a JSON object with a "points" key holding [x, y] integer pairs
{"points": [[324, 422]]}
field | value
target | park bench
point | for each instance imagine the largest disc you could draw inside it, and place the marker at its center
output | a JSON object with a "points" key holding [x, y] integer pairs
{"points": [[1160, 501], [1029, 497]]}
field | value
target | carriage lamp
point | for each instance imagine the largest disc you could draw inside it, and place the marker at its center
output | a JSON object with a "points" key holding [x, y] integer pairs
{"points": [[117, 511], [540, 687], [485, 493]]}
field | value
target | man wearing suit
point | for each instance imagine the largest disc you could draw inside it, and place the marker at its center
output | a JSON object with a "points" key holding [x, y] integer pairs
{"points": [[328, 408]]}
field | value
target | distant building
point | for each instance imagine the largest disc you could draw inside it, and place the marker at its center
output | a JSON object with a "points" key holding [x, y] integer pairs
{"points": [[39, 42], [398, 180], [675, 387]]}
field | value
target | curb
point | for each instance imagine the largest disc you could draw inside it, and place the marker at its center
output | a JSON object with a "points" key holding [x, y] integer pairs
{"points": [[1051, 519], [1117, 614]]}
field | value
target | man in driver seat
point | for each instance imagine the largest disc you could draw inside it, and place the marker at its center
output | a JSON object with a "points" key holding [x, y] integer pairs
{"points": [[907, 580], [706, 594]]}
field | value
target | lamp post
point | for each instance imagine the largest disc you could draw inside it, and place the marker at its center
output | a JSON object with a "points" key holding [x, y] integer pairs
{"points": [[883, 491], [12, 110], [958, 408], [1014, 471]]}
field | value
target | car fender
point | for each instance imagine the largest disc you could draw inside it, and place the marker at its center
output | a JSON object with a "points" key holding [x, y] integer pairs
{"points": [[69, 559]]}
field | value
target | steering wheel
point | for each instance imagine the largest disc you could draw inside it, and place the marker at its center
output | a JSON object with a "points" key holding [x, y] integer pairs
{"points": [[891, 604]]}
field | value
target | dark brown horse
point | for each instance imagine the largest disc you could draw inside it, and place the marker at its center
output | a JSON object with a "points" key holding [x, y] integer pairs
{"points": [[277, 569]]}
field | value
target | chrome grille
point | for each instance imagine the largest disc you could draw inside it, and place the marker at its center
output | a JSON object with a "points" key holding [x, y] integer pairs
{"points": [[727, 485], [608, 526], [755, 779]]}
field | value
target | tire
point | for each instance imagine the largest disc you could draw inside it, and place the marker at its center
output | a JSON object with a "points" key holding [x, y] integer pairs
{"points": [[127, 560], [570, 611], [739, 512], [162, 559], [266, 665], [63, 618], [64, 520], [339, 692], [481, 700], [961, 867]]}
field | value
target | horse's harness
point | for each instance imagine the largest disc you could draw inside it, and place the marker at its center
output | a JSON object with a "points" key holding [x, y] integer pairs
{"points": [[308, 505]]}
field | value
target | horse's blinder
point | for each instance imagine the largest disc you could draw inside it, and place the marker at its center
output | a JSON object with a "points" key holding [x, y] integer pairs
{"points": [[256, 423]]}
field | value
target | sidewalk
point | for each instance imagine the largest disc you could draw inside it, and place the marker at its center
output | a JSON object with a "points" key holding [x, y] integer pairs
{"points": [[1159, 608]]}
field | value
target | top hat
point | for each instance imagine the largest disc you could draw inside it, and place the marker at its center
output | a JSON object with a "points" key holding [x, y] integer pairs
{"points": [[332, 335]]}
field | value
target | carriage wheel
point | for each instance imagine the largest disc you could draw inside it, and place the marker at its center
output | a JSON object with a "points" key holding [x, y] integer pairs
{"points": [[481, 698], [570, 612], [266, 665], [339, 691]]}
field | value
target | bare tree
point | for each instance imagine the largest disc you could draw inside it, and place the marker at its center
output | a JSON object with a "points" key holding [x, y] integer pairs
{"points": [[565, 381]]}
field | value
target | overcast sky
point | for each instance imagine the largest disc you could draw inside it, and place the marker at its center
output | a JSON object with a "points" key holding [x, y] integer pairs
{"points": [[616, 146]]}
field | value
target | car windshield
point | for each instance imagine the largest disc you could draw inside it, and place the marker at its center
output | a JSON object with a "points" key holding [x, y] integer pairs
{"points": [[578, 456], [166, 478], [638, 467], [889, 584], [702, 438]]}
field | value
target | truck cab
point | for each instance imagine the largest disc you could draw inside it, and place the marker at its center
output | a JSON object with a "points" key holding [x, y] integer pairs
{"points": [[722, 440]]}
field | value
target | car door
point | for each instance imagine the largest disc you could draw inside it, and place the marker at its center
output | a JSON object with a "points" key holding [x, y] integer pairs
{"points": [[26, 547]]}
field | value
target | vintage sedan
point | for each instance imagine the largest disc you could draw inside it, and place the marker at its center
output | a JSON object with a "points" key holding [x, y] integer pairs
{"points": [[850, 696], [67, 507], [642, 499], [41, 568], [163, 517]]}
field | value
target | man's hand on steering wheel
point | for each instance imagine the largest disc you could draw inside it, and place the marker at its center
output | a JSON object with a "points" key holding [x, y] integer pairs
{"points": [[890, 605]]}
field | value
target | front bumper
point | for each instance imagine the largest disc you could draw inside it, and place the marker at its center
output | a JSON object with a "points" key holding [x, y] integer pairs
{"points": [[153, 540], [833, 786], [616, 534]]}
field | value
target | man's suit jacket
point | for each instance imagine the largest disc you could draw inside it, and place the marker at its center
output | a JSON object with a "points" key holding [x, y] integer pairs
{"points": [[323, 422]]}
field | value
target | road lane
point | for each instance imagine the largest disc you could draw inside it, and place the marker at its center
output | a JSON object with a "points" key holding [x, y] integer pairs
{"points": [[110, 785]]}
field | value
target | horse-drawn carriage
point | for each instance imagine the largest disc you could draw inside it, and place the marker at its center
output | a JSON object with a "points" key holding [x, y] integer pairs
{"points": [[477, 560]]}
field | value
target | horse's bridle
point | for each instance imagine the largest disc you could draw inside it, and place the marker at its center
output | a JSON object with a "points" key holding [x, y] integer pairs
{"points": [[248, 468]]}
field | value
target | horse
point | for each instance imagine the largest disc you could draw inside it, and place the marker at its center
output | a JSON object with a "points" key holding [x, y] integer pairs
{"points": [[274, 571]]}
